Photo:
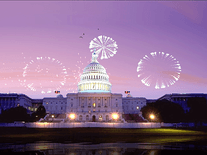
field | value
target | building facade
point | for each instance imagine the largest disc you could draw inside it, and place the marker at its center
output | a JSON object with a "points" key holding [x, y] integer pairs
{"points": [[13, 100], [181, 99], [56, 105], [133, 105], [94, 100]]}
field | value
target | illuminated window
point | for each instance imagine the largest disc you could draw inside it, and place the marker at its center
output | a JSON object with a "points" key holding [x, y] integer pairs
{"points": [[94, 105], [137, 107], [100, 117]]}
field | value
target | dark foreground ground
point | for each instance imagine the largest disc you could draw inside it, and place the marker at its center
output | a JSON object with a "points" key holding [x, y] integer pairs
{"points": [[101, 135]]}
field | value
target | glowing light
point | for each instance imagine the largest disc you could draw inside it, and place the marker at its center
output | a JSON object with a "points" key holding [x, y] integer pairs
{"points": [[115, 116], [159, 70], [152, 116], [94, 104], [104, 45], [72, 116]]}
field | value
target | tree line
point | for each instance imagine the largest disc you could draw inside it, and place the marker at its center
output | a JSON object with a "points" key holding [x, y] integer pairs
{"points": [[20, 114], [163, 110], [169, 112]]}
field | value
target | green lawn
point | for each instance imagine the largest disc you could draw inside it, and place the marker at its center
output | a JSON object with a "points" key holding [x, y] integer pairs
{"points": [[100, 135]]}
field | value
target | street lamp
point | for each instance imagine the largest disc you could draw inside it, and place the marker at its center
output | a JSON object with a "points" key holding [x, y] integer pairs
{"points": [[52, 117], [72, 116], [115, 116], [152, 117]]}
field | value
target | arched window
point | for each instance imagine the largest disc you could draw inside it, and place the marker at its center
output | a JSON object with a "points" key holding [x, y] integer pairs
{"points": [[80, 118], [107, 117], [87, 118]]}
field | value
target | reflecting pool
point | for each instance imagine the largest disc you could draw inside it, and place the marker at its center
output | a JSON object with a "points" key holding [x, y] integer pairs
{"points": [[87, 148]]}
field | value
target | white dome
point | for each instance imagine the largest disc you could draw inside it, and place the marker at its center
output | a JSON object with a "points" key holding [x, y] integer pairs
{"points": [[94, 78], [94, 67], [59, 96]]}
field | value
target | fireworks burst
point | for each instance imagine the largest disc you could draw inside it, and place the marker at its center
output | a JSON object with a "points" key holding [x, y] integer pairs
{"points": [[104, 45], [44, 74], [159, 70]]}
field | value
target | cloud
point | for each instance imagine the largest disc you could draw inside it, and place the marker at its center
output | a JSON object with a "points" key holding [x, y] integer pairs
{"points": [[193, 79]]}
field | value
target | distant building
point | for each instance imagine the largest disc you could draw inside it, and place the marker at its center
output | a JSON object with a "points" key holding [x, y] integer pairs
{"points": [[151, 100], [181, 99], [133, 105], [13, 100], [56, 105]]}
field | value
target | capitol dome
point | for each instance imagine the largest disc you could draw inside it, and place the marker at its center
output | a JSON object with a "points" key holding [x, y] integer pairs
{"points": [[94, 78]]}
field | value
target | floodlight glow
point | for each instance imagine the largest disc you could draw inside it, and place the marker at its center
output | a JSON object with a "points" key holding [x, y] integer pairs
{"points": [[115, 116], [152, 116], [72, 116]]}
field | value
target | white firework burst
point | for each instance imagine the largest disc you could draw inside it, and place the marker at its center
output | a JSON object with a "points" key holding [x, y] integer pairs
{"points": [[159, 70], [104, 45], [44, 75]]}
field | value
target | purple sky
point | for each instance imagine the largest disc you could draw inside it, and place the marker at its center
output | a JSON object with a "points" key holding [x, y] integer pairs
{"points": [[52, 29]]}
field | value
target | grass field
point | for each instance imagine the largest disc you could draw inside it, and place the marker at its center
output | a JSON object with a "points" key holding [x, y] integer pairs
{"points": [[101, 135]]}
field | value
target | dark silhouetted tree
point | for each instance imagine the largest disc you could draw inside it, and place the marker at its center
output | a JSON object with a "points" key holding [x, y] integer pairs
{"points": [[198, 110], [14, 114], [40, 113], [164, 111]]}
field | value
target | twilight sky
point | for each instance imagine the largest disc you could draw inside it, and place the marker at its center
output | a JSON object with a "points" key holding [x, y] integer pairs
{"points": [[40, 46]]}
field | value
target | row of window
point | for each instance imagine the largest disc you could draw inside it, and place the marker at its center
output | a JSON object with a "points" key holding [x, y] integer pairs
{"points": [[51, 108], [56, 103], [179, 99], [87, 117], [94, 77], [132, 108], [93, 111], [132, 102]]}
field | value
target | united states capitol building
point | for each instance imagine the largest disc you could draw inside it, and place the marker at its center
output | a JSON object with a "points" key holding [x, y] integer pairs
{"points": [[94, 100]]}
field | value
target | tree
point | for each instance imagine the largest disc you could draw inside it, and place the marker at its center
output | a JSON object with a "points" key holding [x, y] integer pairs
{"points": [[164, 111], [198, 110], [14, 114], [40, 113]]}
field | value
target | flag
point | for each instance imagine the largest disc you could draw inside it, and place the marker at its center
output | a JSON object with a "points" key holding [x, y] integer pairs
{"points": [[57, 92]]}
